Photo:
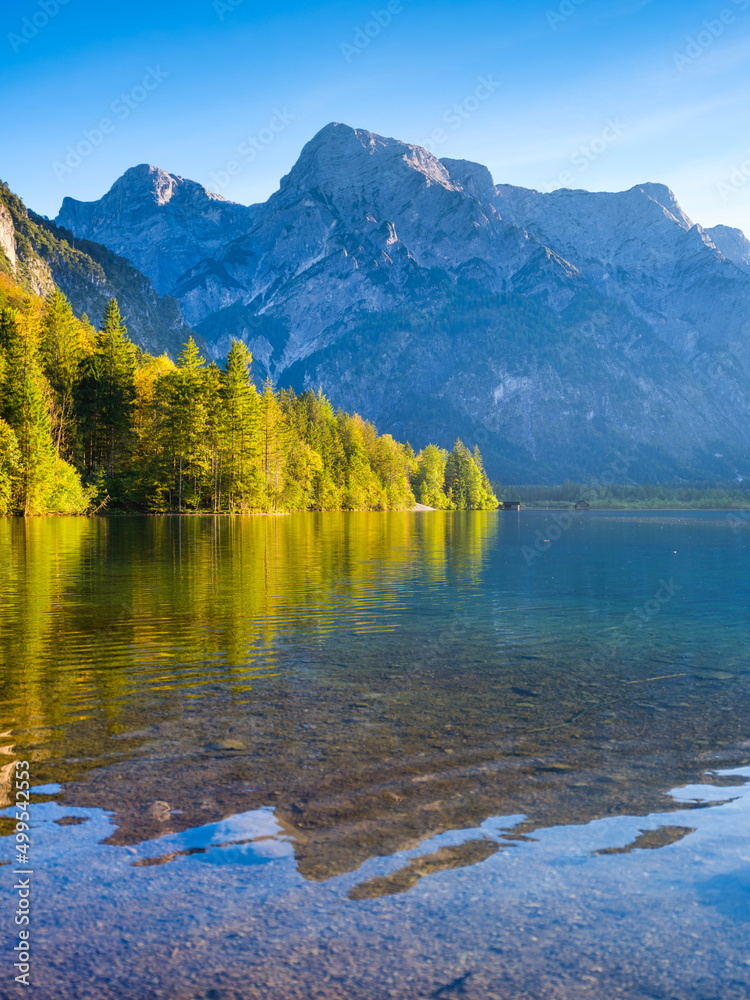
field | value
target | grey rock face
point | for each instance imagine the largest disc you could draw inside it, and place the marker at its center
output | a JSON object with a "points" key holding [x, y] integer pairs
{"points": [[161, 223], [732, 243], [433, 300], [638, 247], [8, 236]]}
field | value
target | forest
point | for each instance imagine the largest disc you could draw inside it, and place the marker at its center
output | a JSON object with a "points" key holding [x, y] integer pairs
{"points": [[91, 423]]}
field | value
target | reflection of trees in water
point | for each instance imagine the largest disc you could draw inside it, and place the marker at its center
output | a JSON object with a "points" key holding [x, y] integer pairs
{"points": [[99, 614], [129, 645], [44, 562]]}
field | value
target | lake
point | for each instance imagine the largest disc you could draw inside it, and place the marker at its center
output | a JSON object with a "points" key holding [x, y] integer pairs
{"points": [[400, 755]]}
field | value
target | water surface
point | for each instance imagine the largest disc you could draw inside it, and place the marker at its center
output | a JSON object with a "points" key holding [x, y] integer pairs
{"points": [[382, 755]]}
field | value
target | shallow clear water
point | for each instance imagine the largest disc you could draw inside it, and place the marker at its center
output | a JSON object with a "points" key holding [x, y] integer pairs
{"points": [[381, 755]]}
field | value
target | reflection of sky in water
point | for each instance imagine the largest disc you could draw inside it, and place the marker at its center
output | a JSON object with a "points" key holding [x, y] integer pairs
{"points": [[229, 894], [251, 838]]}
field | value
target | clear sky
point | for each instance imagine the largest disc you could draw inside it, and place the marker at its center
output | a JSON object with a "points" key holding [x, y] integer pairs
{"points": [[595, 94]]}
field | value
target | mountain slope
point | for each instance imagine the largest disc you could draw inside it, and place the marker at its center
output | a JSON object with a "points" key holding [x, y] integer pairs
{"points": [[42, 255], [553, 328], [638, 247]]}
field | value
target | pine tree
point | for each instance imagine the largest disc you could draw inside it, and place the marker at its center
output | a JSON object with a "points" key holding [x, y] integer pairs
{"points": [[248, 437], [489, 494], [105, 395], [187, 417], [464, 481]]}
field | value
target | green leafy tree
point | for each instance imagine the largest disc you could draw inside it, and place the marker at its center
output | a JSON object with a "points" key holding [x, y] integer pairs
{"points": [[274, 443], [36, 479], [391, 464], [10, 460], [429, 478], [62, 349], [490, 498], [362, 490], [25, 408]]}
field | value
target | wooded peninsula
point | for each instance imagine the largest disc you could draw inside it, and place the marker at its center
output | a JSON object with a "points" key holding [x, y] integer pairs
{"points": [[90, 422]]}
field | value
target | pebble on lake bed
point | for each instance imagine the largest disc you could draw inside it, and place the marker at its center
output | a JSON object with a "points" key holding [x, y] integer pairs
{"points": [[160, 811]]}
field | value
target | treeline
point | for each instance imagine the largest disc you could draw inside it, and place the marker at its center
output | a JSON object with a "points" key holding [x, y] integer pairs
{"points": [[88, 420], [705, 496]]}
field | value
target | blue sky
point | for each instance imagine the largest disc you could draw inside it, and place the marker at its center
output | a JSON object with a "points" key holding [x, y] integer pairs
{"points": [[595, 94]]}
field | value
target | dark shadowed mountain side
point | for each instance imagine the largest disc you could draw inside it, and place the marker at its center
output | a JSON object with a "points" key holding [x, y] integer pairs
{"points": [[553, 329], [41, 255]]}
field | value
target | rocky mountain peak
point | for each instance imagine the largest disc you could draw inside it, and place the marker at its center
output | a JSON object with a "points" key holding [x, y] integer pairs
{"points": [[161, 222], [340, 156], [147, 186], [732, 244], [474, 178], [147, 180], [665, 197]]}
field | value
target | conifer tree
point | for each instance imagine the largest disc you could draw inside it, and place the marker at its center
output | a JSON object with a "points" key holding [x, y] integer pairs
{"points": [[463, 481], [106, 394], [187, 417], [242, 449]]}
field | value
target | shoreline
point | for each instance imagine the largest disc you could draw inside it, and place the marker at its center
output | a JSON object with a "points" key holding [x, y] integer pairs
{"points": [[419, 509], [634, 510]]}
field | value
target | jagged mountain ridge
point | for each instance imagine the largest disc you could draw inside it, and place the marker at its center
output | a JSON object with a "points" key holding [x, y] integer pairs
{"points": [[189, 223], [373, 254], [41, 255]]}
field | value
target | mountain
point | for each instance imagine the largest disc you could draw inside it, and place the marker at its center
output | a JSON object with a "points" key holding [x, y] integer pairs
{"points": [[553, 329], [732, 243], [41, 255], [163, 224]]}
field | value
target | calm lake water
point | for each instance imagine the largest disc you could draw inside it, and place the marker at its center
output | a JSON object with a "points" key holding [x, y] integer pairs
{"points": [[438, 755]]}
